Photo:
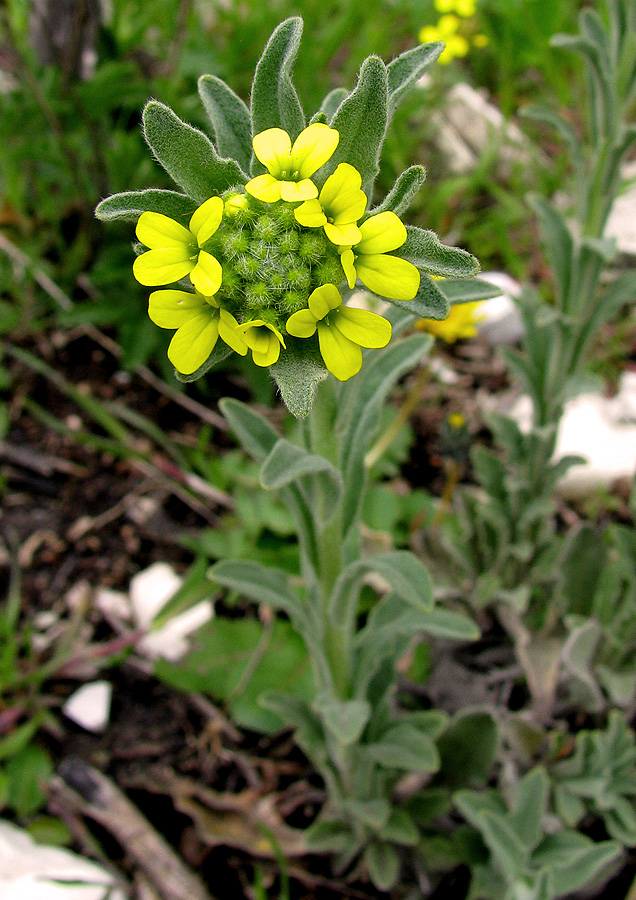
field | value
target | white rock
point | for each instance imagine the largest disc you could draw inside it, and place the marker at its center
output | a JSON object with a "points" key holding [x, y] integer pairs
{"points": [[621, 223], [151, 589], [596, 428], [590, 429], [469, 124], [30, 871], [501, 321], [113, 603], [170, 640], [89, 706]]}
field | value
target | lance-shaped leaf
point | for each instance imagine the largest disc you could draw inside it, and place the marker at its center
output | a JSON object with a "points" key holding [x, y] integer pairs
{"points": [[298, 373], [405, 188], [405, 70], [262, 584], [425, 250], [129, 205], [359, 415], [187, 155], [403, 571], [274, 102], [467, 290], [428, 303], [230, 119], [289, 464], [253, 431], [383, 864], [297, 714], [345, 719], [558, 244], [405, 747], [361, 120], [332, 101]]}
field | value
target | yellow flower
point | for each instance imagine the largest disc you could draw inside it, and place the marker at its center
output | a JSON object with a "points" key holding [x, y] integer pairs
{"points": [[446, 30], [342, 331], [340, 204], [174, 251], [480, 40], [461, 323], [368, 260], [199, 321], [264, 340], [290, 168], [466, 8]]}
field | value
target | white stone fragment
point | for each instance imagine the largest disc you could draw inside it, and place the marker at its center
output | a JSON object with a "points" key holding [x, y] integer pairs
{"points": [[170, 640], [500, 318], [590, 429], [151, 589], [600, 429], [89, 706], [30, 871], [621, 224], [469, 124], [113, 603]]}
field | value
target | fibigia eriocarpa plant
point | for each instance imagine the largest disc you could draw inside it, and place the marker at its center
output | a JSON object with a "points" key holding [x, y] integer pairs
{"points": [[259, 252]]}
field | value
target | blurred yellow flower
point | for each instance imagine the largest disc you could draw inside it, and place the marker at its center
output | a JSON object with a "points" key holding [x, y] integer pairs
{"points": [[461, 323], [446, 30], [465, 8]]}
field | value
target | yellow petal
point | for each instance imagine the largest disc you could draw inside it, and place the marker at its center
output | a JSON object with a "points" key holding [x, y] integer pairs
{"points": [[162, 266], [265, 188], [263, 340], [206, 275], [228, 332], [206, 219], [293, 191], [159, 232], [170, 309], [193, 343], [342, 357], [312, 148], [346, 178], [348, 207], [323, 300], [272, 147], [301, 324], [388, 276], [363, 327], [342, 235], [347, 259], [310, 214], [381, 233]]}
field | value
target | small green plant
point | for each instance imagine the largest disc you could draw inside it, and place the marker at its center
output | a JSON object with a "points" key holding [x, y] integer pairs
{"points": [[504, 542], [599, 780], [526, 861]]}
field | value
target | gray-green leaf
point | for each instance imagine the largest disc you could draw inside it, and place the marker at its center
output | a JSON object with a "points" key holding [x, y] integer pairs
{"points": [[129, 205], [187, 155], [230, 119], [275, 103], [361, 120]]}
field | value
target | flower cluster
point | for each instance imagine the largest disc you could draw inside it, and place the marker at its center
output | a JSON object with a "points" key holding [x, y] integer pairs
{"points": [[448, 28], [266, 261]]}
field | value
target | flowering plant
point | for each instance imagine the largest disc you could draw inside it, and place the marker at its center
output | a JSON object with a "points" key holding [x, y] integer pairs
{"points": [[259, 252]]}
